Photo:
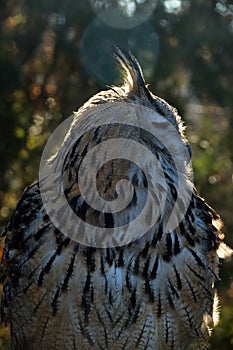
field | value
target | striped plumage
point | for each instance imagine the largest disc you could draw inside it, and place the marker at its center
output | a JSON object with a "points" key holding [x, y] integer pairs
{"points": [[154, 293]]}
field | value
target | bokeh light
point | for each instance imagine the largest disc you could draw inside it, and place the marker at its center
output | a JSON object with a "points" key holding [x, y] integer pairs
{"points": [[97, 48], [123, 14]]}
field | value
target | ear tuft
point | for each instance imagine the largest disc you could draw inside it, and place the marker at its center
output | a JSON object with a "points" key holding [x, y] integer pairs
{"points": [[133, 75]]}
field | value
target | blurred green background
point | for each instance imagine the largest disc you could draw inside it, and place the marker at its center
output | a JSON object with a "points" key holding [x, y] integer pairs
{"points": [[54, 55]]}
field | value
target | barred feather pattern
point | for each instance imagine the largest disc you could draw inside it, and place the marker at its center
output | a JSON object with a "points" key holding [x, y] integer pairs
{"points": [[154, 293]]}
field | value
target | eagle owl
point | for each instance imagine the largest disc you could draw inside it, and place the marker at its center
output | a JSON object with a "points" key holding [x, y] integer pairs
{"points": [[152, 291]]}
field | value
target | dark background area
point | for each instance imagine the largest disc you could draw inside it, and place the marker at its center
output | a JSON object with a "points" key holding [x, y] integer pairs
{"points": [[54, 55]]}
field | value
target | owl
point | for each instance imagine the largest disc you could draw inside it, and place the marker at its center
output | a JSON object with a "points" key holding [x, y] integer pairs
{"points": [[80, 276]]}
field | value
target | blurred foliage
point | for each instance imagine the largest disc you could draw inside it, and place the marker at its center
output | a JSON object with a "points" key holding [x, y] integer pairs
{"points": [[187, 60], [223, 335]]}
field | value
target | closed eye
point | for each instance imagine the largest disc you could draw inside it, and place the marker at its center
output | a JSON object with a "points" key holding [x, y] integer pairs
{"points": [[188, 147]]}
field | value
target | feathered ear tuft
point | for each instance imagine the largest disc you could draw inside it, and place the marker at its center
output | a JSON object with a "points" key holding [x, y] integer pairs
{"points": [[133, 73]]}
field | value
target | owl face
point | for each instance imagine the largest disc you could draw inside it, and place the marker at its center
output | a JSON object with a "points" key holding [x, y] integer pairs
{"points": [[127, 155]]}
